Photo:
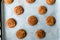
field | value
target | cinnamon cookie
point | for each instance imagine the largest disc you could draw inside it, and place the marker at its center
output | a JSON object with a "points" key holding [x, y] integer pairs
{"points": [[50, 21], [18, 10], [50, 2], [11, 23], [40, 34], [42, 10], [21, 34], [30, 1], [8, 1], [32, 20]]}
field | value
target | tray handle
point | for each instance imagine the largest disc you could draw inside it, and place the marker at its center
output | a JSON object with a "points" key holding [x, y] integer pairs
{"points": [[0, 21]]}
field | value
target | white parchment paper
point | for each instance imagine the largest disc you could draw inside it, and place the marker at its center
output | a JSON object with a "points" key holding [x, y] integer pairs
{"points": [[52, 33]]}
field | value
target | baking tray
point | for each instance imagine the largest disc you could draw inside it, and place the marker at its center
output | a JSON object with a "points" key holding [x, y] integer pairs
{"points": [[52, 33]]}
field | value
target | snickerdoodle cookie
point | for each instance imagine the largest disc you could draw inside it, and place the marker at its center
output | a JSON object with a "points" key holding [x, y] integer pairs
{"points": [[8, 1], [11, 23], [40, 33], [18, 10], [50, 2], [42, 10], [21, 34], [50, 20], [30, 1], [32, 20]]}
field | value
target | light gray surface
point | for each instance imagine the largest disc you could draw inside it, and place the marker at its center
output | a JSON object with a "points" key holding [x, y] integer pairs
{"points": [[52, 33], [0, 32], [0, 38]]}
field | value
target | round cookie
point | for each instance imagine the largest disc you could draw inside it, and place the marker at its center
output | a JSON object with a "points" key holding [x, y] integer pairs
{"points": [[32, 20], [21, 34], [50, 20], [11, 23], [40, 33], [18, 10], [42, 10], [8, 1], [50, 2], [30, 1]]}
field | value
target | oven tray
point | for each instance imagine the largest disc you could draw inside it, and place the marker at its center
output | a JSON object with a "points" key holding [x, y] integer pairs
{"points": [[52, 33]]}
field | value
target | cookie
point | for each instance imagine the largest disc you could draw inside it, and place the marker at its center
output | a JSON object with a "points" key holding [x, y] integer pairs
{"points": [[42, 10], [50, 2], [30, 1], [40, 34], [8, 1], [21, 34], [11, 23], [50, 20], [18, 10], [32, 20]]}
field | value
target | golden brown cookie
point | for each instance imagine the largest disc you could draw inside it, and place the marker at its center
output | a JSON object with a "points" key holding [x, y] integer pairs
{"points": [[21, 34], [8, 1], [40, 34], [30, 1], [32, 20], [11, 23], [50, 2], [18, 10], [50, 20], [42, 10]]}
